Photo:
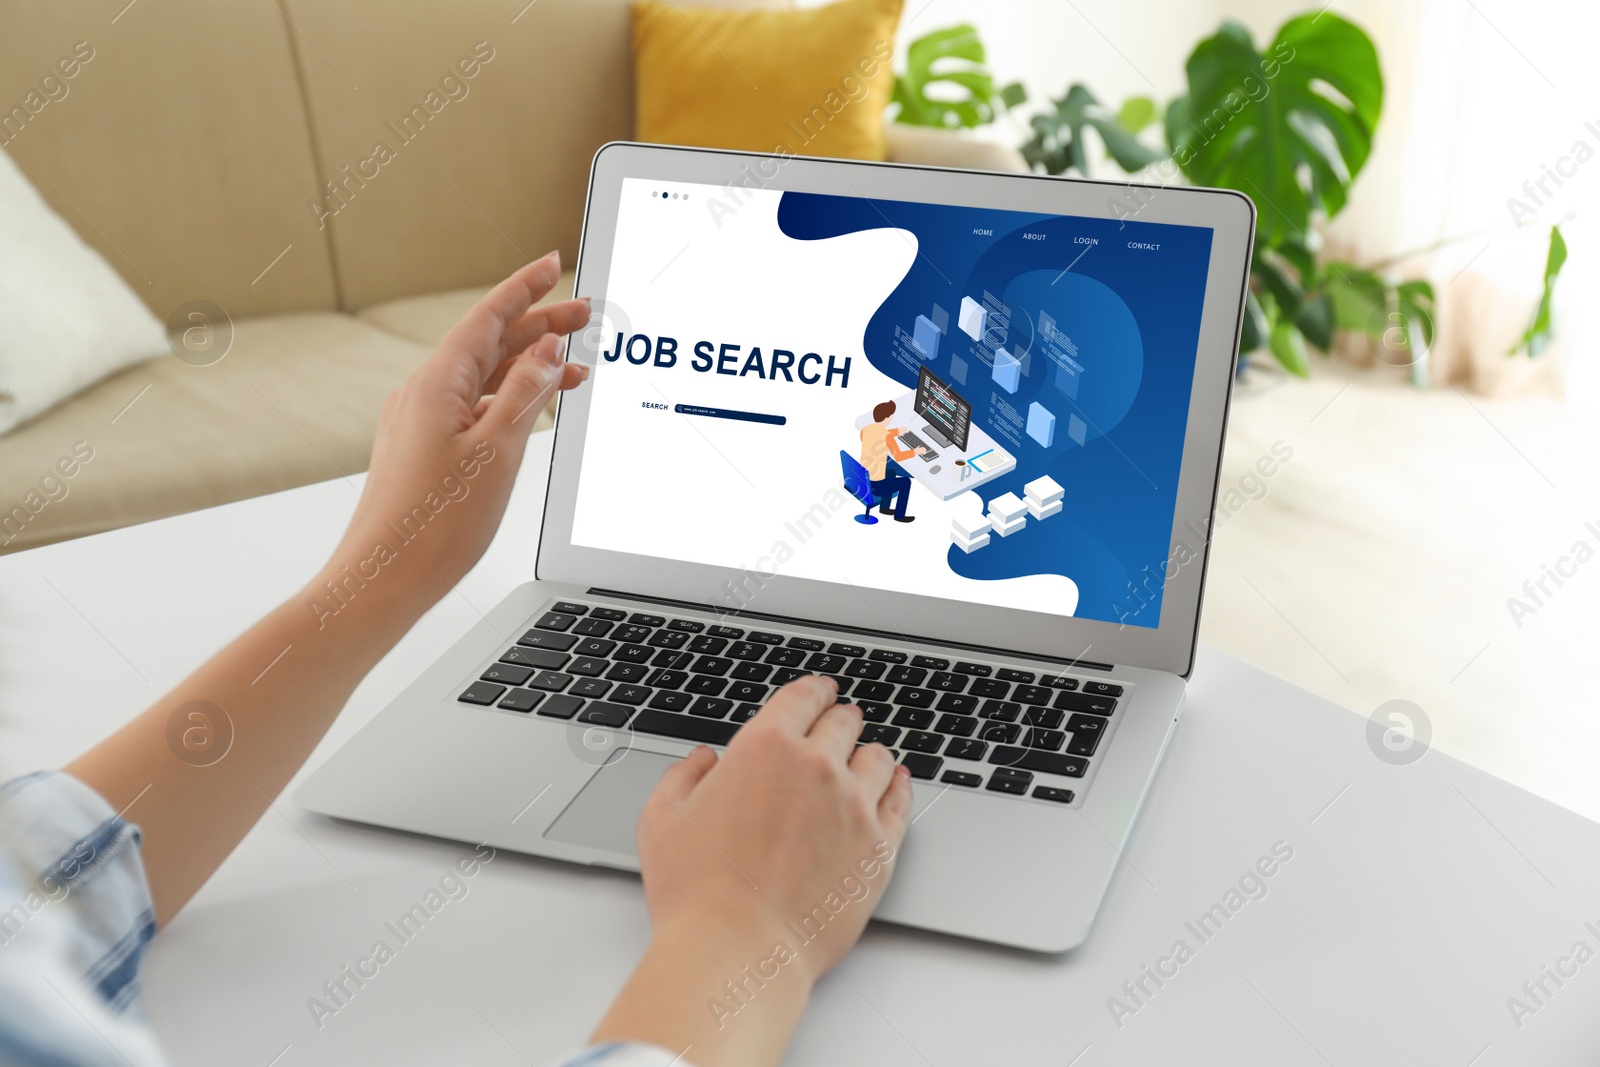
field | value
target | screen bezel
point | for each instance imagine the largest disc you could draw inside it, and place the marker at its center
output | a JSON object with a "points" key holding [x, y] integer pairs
{"points": [[1168, 646]]}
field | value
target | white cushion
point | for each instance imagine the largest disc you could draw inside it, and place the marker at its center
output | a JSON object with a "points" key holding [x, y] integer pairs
{"points": [[68, 319]]}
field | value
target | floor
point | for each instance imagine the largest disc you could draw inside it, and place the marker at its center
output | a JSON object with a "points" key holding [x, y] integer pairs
{"points": [[1379, 562]]}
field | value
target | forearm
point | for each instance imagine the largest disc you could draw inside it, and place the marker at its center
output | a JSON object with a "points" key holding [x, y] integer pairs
{"points": [[279, 686]]}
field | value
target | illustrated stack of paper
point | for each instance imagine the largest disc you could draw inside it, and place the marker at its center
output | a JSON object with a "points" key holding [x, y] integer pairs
{"points": [[1008, 514], [969, 530], [1044, 497]]}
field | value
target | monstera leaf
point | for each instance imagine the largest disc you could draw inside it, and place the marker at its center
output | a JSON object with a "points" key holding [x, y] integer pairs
{"points": [[1540, 329], [1291, 126], [953, 62], [1058, 136]]}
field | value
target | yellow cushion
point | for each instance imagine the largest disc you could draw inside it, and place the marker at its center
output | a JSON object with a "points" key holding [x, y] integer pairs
{"points": [[807, 82]]}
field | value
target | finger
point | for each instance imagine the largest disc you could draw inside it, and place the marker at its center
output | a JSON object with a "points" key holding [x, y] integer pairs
{"points": [[481, 329], [837, 730], [873, 765], [681, 778], [529, 385], [894, 809], [563, 317], [796, 707]]}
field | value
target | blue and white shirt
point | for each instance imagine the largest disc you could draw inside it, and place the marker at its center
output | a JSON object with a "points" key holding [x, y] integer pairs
{"points": [[75, 919]]}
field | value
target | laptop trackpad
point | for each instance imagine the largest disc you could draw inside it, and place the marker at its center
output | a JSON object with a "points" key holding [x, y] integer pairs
{"points": [[605, 812]]}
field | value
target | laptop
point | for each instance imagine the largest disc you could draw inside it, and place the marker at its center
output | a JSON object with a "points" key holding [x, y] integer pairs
{"points": [[760, 322]]}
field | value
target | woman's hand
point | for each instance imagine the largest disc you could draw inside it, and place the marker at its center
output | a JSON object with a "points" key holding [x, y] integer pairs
{"points": [[760, 870], [450, 440]]}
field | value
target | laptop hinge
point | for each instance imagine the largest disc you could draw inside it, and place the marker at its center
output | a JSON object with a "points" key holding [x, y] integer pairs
{"points": [[791, 620]]}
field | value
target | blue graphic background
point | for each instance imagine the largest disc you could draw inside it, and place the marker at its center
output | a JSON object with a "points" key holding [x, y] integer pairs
{"points": [[1135, 319]]}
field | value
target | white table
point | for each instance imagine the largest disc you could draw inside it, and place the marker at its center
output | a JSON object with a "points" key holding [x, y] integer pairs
{"points": [[1418, 900]]}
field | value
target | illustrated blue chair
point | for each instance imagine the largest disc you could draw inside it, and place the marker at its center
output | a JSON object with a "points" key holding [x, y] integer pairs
{"points": [[859, 485]]}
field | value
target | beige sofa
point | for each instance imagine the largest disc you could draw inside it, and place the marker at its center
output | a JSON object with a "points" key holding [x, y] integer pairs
{"points": [[225, 152]]}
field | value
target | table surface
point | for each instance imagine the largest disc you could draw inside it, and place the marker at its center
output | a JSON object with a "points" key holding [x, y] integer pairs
{"points": [[1418, 900]]}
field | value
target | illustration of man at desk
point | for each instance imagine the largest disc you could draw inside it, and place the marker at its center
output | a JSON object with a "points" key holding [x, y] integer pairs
{"points": [[877, 445]]}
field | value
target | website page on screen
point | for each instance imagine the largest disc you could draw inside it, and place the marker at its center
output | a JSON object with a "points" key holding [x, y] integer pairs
{"points": [[771, 362]]}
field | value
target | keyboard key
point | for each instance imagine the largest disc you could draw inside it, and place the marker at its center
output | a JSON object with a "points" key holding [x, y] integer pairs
{"points": [[673, 661], [1046, 717], [823, 663], [922, 741], [1011, 674], [634, 654], [670, 700], [546, 639], [842, 682], [1105, 689], [1083, 744], [481, 693], [506, 674], [865, 668], [873, 691], [883, 735], [588, 666], [555, 620], [931, 662], [560, 706], [731, 632], [915, 718], [567, 607], [744, 712], [590, 687], [786, 657], [711, 665], [922, 766], [960, 725], [595, 646], [1001, 710], [711, 707], [1032, 694], [535, 657], [1086, 730], [1086, 702], [668, 639], [764, 638], [1003, 732], [520, 700], [705, 731], [1049, 740], [706, 685], [627, 672], [1057, 681], [808, 644], [747, 691], [747, 650], [785, 675], [989, 687], [593, 627], [965, 778], [977, 670], [707, 645], [752, 672], [887, 655], [1050, 792], [688, 626], [915, 698], [1007, 780], [665, 679], [963, 703], [947, 683], [1043, 762], [601, 713], [630, 694], [872, 711], [847, 651], [609, 614], [965, 748], [641, 619], [550, 681], [631, 632], [907, 675]]}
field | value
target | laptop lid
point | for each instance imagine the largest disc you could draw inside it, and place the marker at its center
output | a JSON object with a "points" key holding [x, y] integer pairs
{"points": [[760, 327]]}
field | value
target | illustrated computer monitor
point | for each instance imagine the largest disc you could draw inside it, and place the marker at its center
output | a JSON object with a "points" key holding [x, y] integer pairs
{"points": [[948, 416]]}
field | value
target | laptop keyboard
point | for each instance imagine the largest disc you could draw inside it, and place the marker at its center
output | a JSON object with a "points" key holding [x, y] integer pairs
{"points": [[911, 440], [967, 724]]}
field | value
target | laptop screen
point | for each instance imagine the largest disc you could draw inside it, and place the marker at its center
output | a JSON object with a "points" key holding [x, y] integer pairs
{"points": [[980, 405]]}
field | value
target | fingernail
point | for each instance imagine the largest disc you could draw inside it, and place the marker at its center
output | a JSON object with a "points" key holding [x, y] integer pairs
{"points": [[902, 771]]}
